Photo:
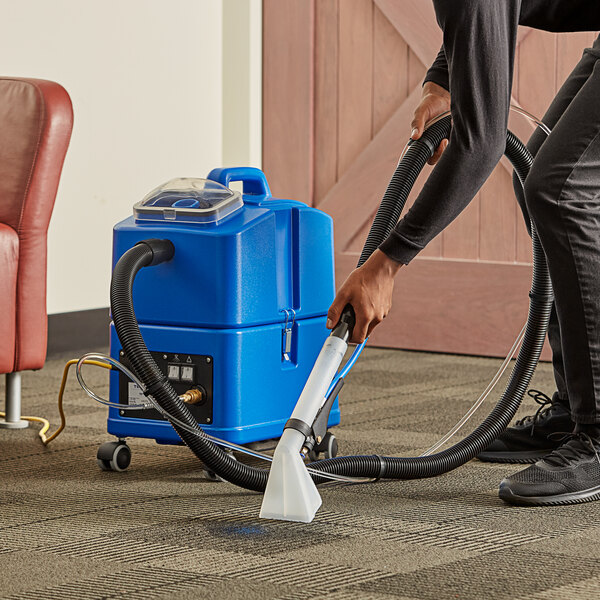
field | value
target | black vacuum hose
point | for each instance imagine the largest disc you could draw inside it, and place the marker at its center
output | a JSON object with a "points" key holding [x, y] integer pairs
{"points": [[145, 254], [152, 252]]}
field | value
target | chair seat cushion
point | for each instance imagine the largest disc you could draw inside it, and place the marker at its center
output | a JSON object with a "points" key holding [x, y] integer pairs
{"points": [[9, 263]]}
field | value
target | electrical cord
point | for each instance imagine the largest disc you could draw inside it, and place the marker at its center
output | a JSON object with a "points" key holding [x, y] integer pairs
{"points": [[63, 419], [61, 392], [42, 431]]}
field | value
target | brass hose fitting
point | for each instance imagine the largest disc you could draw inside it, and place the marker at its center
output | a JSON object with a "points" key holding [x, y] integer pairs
{"points": [[193, 396]]}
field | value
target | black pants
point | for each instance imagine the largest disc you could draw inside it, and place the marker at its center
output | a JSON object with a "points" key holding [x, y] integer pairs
{"points": [[562, 198]]}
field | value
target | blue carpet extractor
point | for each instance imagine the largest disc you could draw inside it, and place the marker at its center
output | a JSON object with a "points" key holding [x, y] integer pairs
{"points": [[219, 302], [237, 318]]}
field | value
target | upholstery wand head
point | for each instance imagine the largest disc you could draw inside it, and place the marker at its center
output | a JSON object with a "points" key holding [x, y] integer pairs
{"points": [[291, 494]]}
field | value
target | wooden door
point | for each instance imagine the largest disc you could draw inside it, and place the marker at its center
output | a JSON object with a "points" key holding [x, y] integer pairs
{"points": [[341, 79]]}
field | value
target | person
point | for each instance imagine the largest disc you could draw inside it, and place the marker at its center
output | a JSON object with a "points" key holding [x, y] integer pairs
{"points": [[472, 75]]}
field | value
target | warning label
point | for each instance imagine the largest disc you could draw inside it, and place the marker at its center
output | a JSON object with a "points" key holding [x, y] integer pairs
{"points": [[135, 394]]}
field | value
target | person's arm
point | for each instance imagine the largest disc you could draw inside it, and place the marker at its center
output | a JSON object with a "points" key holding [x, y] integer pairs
{"points": [[369, 289], [557, 16], [477, 58], [438, 72], [479, 44], [561, 15], [479, 38]]}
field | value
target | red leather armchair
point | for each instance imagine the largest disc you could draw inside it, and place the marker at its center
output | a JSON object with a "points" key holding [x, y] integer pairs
{"points": [[36, 119]]}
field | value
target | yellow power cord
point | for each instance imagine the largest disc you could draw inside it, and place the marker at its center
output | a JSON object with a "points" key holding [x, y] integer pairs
{"points": [[63, 419]]}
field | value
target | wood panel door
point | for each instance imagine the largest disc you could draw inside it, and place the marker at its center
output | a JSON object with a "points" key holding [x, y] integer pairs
{"points": [[341, 79]]}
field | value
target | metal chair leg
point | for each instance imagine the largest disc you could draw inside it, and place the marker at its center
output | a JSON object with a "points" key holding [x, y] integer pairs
{"points": [[13, 420]]}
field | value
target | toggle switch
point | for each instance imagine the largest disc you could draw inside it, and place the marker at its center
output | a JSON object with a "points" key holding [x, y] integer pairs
{"points": [[173, 372]]}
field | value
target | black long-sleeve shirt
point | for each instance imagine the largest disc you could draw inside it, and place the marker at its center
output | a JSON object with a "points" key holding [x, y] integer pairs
{"points": [[476, 65]]}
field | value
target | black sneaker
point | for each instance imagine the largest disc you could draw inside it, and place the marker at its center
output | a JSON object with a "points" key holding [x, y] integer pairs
{"points": [[568, 475], [528, 439]]}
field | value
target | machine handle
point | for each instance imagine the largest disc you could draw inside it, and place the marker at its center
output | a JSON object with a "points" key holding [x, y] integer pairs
{"points": [[255, 182], [346, 324]]}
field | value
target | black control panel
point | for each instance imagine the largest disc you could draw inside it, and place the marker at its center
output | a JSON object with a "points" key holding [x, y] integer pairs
{"points": [[185, 372]]}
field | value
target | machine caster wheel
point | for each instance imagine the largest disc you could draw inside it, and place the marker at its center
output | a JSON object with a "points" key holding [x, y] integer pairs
{"points": [[328, 446], [211, 475], [114, 456]]}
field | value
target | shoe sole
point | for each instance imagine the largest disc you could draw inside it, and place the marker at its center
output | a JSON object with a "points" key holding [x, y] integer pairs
{"points": [[514, 458], [506, 494]]}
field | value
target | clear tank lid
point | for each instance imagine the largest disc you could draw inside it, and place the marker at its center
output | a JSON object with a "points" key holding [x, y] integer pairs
{"points": [[189, 200]]}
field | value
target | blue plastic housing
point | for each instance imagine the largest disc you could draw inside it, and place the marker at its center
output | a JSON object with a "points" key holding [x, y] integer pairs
{"points": [[224, 295]]}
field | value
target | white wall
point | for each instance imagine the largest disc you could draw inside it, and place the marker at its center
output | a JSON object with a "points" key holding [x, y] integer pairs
{"points": [[242, 82], [146, 81]]}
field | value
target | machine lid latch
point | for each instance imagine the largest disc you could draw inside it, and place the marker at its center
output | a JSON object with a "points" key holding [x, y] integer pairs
{"points": [[286, 336]]}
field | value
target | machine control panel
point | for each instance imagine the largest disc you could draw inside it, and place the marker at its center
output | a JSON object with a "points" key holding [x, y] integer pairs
{"points": [[185, 372]]}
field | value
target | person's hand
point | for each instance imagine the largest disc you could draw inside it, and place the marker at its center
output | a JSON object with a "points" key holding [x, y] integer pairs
{"points": [[434, 102], [369, 290]]}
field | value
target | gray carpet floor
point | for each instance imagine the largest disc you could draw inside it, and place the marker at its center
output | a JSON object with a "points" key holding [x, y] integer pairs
{"points": [[160, 530]]}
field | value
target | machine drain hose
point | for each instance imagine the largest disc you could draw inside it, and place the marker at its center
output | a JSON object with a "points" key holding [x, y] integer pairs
{"points": [[151, 252]]}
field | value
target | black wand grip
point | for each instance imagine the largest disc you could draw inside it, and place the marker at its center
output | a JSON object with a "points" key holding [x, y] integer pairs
{"points": [[346, 324]]}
